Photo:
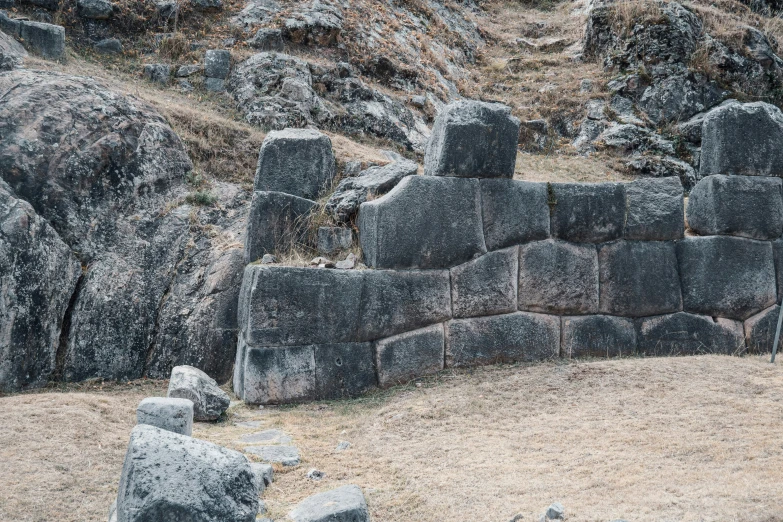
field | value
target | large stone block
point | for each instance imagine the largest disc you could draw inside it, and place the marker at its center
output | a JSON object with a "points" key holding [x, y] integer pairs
{"points": [[748, 206], [472, 139], [171, 414], [209, 401], [502, 338], [688, 334], [276, 221], [282, 374], [424, 222], [558, 277], [513, 212], [726, 276], [598, 336], [760, 330], [487, 285], [45, 39], [655, 209], [217, 63], [344, 504], [299, 306], [398, 301], [639, 278], [744, 139], [587, 212], [167, 476], [409, 355], [295, 161]]}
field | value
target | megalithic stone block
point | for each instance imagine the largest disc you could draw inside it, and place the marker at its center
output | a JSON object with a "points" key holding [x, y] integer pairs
{"points": [[747, 206], [587, 212], [742, 139], [513, 212], [558, 277], [639, 278], [276, 221], [655, 209], [513, 337], [409, 355], [295, 161], [688, 334], [598, 336], [487, 285], [45, 39], [726, 276], [760, 331], [473, 139], [424, 222]]}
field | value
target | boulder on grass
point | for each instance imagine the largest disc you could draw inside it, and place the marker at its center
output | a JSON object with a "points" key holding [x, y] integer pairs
{"points": [[473, 139], [175, 415], [167, 476], [209, 401], [345, 504]]}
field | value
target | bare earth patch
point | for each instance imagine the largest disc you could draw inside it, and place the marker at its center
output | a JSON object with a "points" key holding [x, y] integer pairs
{"points": [[695, 438]]}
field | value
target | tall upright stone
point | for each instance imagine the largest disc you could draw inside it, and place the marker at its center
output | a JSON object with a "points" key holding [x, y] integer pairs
{"points": [[295, 161], [473, 139]]}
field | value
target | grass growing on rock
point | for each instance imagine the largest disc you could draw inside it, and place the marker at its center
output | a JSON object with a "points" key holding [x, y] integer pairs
{"points": [[684, 438]]}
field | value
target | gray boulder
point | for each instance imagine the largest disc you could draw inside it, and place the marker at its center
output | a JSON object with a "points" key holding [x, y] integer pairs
{"points": [[276, 221], [334, 239], [12, 54], [295, 161], [209, 401], [167, 476], [748, 206], [344, 504], [598, 336], [45, 39], [726, 276], [760, 330], [406, 356], [742, 139], [351, 192], [267, 39], [655, 209], [487, 285], [558, 277], [284, 455], [109, 46], [639, 278], [175, 415], [502, 338], [95, 9], [217, 63], [404, 229], [688, 334], [263, 473], [207, 5], [39, 276], [513, 212], [186, 71], [587, 213], [472, 139], [157, 73]]}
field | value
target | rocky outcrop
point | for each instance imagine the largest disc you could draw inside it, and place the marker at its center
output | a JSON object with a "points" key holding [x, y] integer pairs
{"points": [[158, 281], [12, 54]]}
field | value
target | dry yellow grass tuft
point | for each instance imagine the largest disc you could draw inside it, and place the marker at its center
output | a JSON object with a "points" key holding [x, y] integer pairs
{"points": [[687, 439]]}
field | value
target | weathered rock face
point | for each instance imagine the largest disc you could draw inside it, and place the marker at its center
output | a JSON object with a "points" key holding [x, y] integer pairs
{"points": [[295, 161], [168, 476], [38, 274], [485, 286], [209, 401], [275, 90], [45, 39], [276, 221], [745, 139], [101, 168], [472, 139], [597, 336], [12, 54], [95, 9], [351, 192], [747, 206]]}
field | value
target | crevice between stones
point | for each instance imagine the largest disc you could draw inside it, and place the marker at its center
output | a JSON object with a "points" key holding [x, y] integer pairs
{"points": [[58, 374]]}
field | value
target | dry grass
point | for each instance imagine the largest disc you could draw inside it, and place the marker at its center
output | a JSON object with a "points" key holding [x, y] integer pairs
{"points": [[694, 438], [568, 168]]}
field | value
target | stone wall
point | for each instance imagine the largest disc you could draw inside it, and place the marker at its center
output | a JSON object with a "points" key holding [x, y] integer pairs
{"points": [[468, 271]]}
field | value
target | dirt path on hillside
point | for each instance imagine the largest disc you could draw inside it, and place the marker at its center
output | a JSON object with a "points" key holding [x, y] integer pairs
{"points": [[696, 438]]}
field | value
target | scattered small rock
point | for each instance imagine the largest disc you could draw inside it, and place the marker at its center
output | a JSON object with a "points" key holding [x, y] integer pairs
{"points": [[285, 455], [157, 73], [343, 445], [348, 263], [175, 415], [268, 259], [555, 511], [586, 86], [314, 474], [517, 518], [322, 262], [209, 401]]}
